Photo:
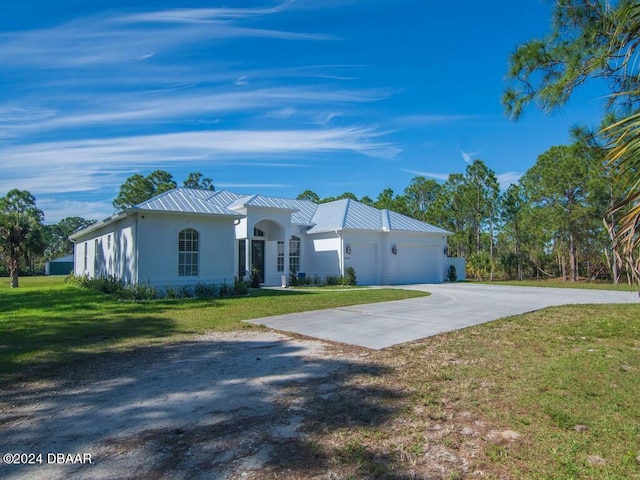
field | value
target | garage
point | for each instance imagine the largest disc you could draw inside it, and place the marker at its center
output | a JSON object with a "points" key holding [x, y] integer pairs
{"points": [[364, 260], [416, 263]]}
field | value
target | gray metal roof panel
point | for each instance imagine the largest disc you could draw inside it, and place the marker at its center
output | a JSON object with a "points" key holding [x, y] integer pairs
{"points": [[351, 215], [183, 201], [398, 221]]}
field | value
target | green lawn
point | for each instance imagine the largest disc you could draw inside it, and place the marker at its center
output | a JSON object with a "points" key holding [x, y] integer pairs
{"points": [[45, 321], [559, 283], [566, 379]]}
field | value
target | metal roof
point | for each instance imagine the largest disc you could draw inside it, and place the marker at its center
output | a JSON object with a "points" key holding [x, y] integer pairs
{"points": [[183, 200], [352, 215], [326, 217]]}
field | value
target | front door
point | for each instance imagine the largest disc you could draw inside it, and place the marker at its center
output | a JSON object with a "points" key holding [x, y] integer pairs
{"points": [[257, 259]]}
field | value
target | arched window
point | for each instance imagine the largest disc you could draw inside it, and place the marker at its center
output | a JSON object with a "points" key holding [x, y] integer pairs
{"points": [[294, 254], [188, 253]]}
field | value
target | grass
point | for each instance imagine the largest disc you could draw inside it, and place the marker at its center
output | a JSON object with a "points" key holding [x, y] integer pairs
{"points": [[45, 322], [559, 283], [564, 378]]}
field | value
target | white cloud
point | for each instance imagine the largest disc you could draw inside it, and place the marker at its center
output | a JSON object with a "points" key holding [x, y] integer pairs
{"points": [[468, 157], [55, 210], [437, 176], [507, 178], [99, 40], [83, 165]]}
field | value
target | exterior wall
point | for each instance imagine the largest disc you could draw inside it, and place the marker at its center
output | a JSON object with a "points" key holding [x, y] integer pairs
{"points": [[158, 239], [461, 267], [419, 257], [109, 250], [366, 255], [321, 255]]}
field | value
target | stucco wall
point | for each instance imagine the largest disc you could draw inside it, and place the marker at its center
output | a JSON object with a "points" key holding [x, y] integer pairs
{"points": [[158, 246], [109, 251], [321, 255]]}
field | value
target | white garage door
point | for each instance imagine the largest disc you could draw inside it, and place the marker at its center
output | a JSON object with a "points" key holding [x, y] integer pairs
{"points": [[364, 260], [416, 263]]}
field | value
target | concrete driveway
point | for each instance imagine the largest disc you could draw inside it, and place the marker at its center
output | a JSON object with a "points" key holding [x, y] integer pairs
{"points": [[449, 307]]}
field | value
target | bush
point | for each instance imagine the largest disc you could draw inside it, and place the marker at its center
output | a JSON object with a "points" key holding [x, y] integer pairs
{"points": [[204, 290], [240, 287], [350, 277], [138, 292], [171, 292], [452, 275], [333, 281]]}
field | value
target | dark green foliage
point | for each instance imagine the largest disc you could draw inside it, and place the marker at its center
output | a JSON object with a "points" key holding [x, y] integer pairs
{"points": [[21, 231], [112, 285], [452, 275], [137, 189], [350, 276]]}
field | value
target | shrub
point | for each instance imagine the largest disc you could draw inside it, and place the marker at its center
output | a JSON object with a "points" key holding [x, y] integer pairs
{"points": [[350, 276], [225, 290], [240, 287], [171, 292], [204, 290], [333, 281], [452, 275], [255, 278], [185, 291], [138, 292]]}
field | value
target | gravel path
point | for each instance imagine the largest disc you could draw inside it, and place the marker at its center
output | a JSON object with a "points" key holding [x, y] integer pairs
{"points": [[221, 406]]}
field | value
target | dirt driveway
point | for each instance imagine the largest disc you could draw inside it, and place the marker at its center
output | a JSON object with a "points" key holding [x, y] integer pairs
{"points": [[221, 406]]}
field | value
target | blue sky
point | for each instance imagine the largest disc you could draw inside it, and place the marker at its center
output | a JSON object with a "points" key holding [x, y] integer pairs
{"points": [[263, 96]]}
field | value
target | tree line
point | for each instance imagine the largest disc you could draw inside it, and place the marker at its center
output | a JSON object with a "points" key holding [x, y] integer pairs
{"points": [[548, 224]]}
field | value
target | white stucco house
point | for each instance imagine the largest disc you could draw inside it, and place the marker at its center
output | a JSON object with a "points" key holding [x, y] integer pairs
{"points": [[185, 237]]}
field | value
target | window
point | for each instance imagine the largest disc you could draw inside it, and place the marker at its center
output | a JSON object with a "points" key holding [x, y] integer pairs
{"points": [[86, 249], [257, 232], [109, 242], [96, 256], [188, 253], [294, 254], [281, 256]]}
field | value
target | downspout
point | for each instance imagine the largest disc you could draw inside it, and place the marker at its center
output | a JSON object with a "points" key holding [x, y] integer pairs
{"points": [[341, 256]]}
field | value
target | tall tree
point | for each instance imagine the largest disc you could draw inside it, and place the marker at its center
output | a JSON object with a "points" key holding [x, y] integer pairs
{"points": [[420, 195], [195, 180], [388, 200], [20, 230], [482, 191], [309, 195], [137, 189], [591, 39], [512, 212], [588, 39], [58, 243], [558, 183]]}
